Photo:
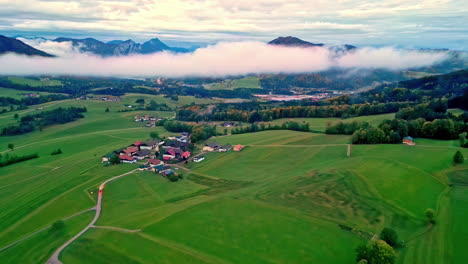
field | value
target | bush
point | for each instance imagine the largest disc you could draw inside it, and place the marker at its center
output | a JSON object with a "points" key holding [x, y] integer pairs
{"points": [[458, 158], [390, 236], [56, 152], [173, 178]]}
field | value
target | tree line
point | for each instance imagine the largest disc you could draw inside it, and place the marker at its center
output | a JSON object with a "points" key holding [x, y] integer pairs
{"points": [[30, 123], [202, 113]]}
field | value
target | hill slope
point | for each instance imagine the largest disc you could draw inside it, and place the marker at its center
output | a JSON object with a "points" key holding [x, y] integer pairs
{"points": [[16, 46]]}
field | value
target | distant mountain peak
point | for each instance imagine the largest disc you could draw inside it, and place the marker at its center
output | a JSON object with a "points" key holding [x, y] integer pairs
{"points": [[293, 42]]}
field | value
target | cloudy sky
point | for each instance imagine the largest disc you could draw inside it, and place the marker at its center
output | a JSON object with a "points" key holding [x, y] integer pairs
{"points": [[417, 23]]}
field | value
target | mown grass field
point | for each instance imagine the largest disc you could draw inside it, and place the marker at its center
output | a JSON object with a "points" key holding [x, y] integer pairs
{"points": [[231, 84], [34, 82], [280, 200]]}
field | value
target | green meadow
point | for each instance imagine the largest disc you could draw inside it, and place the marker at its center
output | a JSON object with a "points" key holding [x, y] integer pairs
{"points": [[231, 84], [34, 82], [284, 199]]}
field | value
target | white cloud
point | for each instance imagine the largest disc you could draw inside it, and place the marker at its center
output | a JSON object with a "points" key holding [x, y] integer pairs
{"points": [[233, 58]]}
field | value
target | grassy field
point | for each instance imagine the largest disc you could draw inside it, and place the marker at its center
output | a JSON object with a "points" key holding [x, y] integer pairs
{"points": [[33, 82], [231, 84], [282, 199], [17, 94]]}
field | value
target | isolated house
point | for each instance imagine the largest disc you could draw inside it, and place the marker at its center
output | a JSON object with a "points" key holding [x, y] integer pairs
{"points": [[198, 158], [408, 141], [229, 124]]}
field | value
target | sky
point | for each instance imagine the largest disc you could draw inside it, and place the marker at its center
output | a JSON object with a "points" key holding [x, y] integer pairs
{"points": [[397, 23]]}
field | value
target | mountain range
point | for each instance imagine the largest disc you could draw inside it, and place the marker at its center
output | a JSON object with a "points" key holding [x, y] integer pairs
{"points": [[129, 47]]}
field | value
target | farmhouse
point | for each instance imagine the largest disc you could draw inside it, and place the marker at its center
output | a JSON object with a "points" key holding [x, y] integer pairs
{"points": [[198, 158], [142, 154], [154, 162], [238, 147], [127, 159], [408, 141], [225, 148], [212, 146], [130, 150], [229, 124]]}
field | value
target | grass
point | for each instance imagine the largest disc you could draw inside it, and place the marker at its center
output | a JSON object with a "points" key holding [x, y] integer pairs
{"points": [[37, 248], [231, 84], [18, 94], [34, 82], [279, 200]]}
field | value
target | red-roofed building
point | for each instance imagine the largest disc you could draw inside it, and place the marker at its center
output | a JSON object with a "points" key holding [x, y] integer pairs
{"points": [[130, 150], [138, 143], [186, 155], [238, 147], [127, 159], [155, 162]]}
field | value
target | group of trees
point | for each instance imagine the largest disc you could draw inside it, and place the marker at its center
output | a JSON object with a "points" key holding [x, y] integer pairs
{"points": [[198, 131], [30, 123], [380, 251], [256, 127], [8, 159], [19, 104]]}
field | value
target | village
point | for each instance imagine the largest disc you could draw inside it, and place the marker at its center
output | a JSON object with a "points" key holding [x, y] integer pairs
{"points": [[163, 156]]}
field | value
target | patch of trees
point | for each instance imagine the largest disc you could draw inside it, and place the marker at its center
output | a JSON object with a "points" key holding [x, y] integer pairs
{"points": [[458, 158], [153, 106], [12, 159], [30, 123], [256, 127], [7, 101], [393, 131], [198, 113], [199, 132], [377, 252]]}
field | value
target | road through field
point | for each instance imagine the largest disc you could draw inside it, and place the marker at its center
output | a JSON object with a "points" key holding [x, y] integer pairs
{"points": [[54, 259]]}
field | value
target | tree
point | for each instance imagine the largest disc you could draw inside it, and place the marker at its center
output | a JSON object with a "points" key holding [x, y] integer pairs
{"points": [[16, 116], [154, 135], [107, 110], [173, 178], [140, 101], [11, 146], [430, 215], [382, 253], [114, 159], [379, 252], [458, 158], [390, 236], [255, 117]]}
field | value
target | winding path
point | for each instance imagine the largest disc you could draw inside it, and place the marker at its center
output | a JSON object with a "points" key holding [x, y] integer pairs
{"points": [[54, 259]]}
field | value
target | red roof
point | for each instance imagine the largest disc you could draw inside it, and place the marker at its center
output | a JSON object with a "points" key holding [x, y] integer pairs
{"points": [[238, 147], [186, 154], [155, 161], [138, 143], [125, 157], [130, 150], [166, 158]]}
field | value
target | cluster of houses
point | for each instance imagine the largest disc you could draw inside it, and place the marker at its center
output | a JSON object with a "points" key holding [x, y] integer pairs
{"points": [[150, 120], [154, 154], [216, 147]]}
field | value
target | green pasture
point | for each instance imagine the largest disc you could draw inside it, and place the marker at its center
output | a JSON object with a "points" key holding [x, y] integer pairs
{"points": [[231, 84], [34, 82]]}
